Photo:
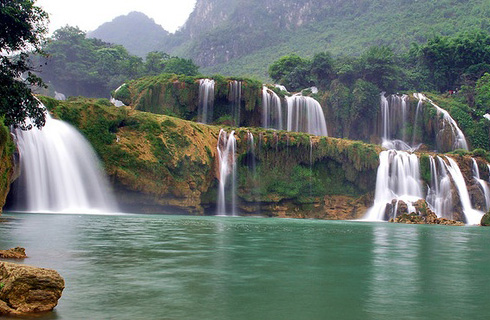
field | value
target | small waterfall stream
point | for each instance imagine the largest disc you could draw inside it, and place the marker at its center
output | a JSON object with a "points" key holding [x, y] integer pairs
{"points": [[227, 173], [60, 172], [235, 96], [398, 178], [271, 110], [483, 185], [206, 101], [439, 196], [472, 216], [305, 114]]}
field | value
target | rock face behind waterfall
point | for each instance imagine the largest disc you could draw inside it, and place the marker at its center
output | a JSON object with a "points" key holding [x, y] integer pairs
{"points": [[26, 289], [6, 165]]}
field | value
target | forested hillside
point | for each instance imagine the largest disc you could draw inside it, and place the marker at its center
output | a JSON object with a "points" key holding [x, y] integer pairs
{"points": [[242, 37], [258, 32]]}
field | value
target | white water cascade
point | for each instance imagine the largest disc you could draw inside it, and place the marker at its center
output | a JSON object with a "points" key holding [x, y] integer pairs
{"points": [[394, 115], [472, 216], [235, 96], [227, 172], [398, 178], [60, 172], [271, 110], [483, 185], [439, 196], [448, 123], [206, 101], [305, 114]]}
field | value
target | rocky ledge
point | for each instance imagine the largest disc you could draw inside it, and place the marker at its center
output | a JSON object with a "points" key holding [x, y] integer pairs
{"points": [[14, 253], [25, 289], [422, 215]]}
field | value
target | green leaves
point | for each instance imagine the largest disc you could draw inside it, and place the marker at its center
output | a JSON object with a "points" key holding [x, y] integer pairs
{"points": [[22, 27]]}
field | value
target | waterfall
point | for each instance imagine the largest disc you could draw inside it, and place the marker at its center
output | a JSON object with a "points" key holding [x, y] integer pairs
{"points": [[227, 168], [439, 197], [394, 116], [60, 172], [305, 114], [114, 101], [448, 123], [398, 178], [206, 101], [415, 122], [235, 96], [483, 184], [251, 152], [271, 110], [472, 216]]}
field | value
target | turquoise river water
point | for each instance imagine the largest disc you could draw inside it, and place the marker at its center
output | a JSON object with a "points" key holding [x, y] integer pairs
{"points": [[180, 267]]}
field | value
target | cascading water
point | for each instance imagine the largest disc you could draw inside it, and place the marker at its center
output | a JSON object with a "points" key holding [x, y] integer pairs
{"points": [[398, 178], [305, 114], [227, 169], [448, 124], [60, 172], [472, 216], [206, 101], [439, 196], [235, 96], [271, 110], [394, 115], [483, 184]]}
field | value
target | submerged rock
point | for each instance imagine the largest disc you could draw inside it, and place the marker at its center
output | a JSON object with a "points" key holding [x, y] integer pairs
{"points": [[25, 289], [14, 253]]}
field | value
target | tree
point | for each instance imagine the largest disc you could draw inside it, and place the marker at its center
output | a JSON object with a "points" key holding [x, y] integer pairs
{"points": [[378, 66], [458, 60], [22, 29], [322, 69], [291, 71]]}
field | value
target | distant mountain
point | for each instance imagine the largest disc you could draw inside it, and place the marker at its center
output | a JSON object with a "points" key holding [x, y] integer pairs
{"points": [[138, 33]]}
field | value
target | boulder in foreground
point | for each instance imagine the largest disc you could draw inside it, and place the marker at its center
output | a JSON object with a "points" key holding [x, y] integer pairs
{"points": [[25, 289]]}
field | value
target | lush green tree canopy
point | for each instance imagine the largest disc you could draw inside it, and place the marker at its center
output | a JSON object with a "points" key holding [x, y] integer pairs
{"points": [[22, 28], [77, 65]]}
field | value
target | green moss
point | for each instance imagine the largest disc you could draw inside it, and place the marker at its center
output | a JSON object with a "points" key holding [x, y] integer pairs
{"points": [[425, 172]]}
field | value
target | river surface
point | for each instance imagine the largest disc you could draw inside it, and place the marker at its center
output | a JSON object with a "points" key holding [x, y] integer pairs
{"points": [[180, 267]]}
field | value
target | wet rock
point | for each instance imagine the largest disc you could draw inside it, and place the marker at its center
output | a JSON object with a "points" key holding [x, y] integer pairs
{"points": [[14, 253], [25, 289], [485, 220], [424, 215]]}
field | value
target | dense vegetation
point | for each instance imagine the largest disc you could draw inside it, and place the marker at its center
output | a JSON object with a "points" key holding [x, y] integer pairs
{"points": [[76, 65], [22, 28]]}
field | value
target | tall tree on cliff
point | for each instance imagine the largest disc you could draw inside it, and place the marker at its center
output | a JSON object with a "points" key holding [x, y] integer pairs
{"points": [[22, 30]]}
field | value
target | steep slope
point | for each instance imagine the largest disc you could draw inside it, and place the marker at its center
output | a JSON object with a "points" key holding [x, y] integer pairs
{"points": [[135, 31]]}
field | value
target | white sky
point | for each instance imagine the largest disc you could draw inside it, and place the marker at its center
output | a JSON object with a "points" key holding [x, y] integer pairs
{"points": [[89, 14]]}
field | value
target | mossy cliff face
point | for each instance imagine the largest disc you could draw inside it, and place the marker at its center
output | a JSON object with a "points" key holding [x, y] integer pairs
{"points": [[156, 163], [6, 164], [298, 175], [178, 96], [159, 163]]}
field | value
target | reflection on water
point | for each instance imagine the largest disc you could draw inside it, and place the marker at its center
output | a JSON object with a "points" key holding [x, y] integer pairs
{"points": [[165, 267]]}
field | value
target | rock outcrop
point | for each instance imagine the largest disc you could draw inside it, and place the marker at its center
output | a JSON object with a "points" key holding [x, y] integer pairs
{"points": [[14, 253], [422, 215], [25, 289]]}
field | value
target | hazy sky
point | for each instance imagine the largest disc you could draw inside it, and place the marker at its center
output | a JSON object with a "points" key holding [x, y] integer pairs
{"points": [[89, 14]]}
